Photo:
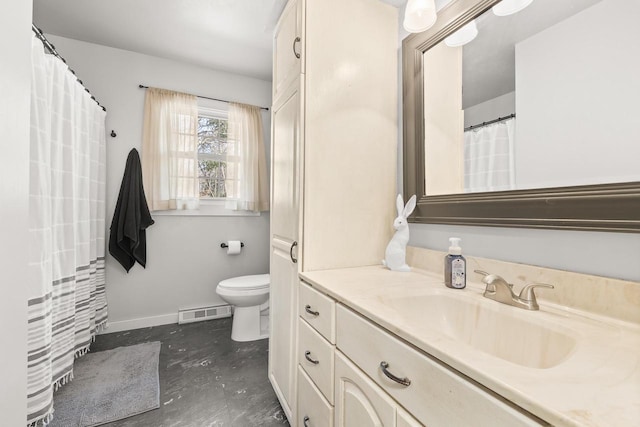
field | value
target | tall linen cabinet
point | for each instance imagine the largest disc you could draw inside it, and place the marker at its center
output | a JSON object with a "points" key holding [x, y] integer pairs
{"points": [[333, 154]]}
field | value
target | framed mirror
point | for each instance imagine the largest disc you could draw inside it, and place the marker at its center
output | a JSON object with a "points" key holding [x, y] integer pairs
{"points": [[525, 116]]}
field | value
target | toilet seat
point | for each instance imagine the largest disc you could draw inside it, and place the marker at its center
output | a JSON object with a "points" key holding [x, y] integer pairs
{"points": [[246, 283]]}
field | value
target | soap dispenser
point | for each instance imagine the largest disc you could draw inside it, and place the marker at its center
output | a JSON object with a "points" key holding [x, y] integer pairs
{"points": [[455, 266]]}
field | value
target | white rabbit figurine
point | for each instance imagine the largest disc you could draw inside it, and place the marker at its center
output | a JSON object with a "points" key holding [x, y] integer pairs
{"points": [[395, 254]]}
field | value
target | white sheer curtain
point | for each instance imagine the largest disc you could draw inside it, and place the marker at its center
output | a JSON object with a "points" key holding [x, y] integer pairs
{"points": [[246, 181], [170, 150], [489, 161], [65, 276]]}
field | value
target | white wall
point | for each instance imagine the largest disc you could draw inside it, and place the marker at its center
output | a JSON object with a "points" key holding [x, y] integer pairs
{"points": [[570, 79], [499, 106], [604, 254], [15, 81], [443, 120], [184, 258]]}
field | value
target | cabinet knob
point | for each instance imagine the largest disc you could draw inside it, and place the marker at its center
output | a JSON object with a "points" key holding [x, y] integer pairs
{"points": [[403, 381], [305, 421]]}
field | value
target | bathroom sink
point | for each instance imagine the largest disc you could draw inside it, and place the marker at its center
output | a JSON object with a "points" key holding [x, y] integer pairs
{"points": [[504, 332]]}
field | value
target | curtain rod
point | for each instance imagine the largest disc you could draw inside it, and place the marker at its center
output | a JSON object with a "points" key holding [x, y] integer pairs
{"points": [[52, 49], [490, 122], [205, 97]]}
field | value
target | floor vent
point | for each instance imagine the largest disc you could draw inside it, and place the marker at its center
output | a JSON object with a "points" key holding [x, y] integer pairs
{"points": [[204, 313]]}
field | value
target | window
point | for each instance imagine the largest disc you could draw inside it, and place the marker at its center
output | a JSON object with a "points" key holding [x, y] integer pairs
{"points": [[212, 153], [214, 167]]}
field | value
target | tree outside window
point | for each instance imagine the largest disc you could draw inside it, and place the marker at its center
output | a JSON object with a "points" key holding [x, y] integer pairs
{"points": [[212, 156]]}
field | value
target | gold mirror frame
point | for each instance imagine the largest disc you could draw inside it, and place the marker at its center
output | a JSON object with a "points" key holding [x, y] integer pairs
{"points": [[603, 207]]}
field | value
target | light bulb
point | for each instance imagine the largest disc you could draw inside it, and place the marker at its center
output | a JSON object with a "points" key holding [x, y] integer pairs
{"points": [[463, 36], [419, 15], [509, 7]]}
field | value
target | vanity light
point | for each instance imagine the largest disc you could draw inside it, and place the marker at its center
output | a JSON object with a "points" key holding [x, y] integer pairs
{"points": [[463, 36], [509, 7], [419, 15]]}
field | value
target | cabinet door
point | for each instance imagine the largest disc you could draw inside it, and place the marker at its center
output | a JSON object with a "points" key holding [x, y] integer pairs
{"points": [[282, 323], [359, 402], [285, 152], [403, 419], [288, 45], [285, 162]]}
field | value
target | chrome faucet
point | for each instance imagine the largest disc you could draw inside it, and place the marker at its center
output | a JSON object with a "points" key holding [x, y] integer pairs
{"points": [[499, 290]]}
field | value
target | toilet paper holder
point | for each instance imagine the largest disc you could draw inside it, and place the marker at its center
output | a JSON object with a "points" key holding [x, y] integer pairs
{"points": [[224, 245]]}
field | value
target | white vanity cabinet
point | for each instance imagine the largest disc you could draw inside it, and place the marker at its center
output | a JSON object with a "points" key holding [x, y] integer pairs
{"points": [[333, 158], [329, 384], [355, 370], [430, 391]]}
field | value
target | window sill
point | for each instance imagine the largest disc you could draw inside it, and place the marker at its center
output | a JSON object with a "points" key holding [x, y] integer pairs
{"points": [[207, 208]]}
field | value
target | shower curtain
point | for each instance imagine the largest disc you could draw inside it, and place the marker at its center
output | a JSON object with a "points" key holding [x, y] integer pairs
{"points": [[65, 276], [489, 157]]}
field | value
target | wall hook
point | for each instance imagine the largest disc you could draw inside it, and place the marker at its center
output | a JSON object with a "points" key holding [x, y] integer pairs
{"points": [[113, 134]]}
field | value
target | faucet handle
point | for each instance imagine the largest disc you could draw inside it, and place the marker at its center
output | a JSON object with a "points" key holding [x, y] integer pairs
{"points": [[527, 294], [489, 278]]}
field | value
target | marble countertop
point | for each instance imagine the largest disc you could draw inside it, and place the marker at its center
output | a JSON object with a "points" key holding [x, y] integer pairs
{"points": [[597, 384]]}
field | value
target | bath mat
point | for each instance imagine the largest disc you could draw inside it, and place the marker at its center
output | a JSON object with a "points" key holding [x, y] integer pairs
{"points": [[108, 386]]}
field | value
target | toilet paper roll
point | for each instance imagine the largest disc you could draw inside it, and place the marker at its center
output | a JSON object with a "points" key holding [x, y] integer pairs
{"points": [[234, 247]]}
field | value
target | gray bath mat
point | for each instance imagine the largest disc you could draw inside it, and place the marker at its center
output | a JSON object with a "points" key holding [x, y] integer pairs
{"points": [[108, 386]]}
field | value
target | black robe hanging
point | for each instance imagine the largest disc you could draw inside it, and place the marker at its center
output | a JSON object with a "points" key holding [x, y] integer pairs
{"points": [[127, 239]]}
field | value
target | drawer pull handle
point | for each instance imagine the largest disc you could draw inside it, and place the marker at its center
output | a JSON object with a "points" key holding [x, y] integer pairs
{"points": [[307, 308], [307, 355], [296, 40], [404, 381], [305, 421], [293, 245]]}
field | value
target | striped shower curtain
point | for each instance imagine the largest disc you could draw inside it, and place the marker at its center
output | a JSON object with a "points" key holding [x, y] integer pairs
{"points": [[65, 276]]}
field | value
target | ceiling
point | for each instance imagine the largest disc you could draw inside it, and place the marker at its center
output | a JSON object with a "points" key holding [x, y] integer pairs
{"points": [[227, 35], [236, 35]]}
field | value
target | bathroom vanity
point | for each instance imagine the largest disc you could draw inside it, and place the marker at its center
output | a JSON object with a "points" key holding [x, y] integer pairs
{"points": [[401, 349], [358, 346]]}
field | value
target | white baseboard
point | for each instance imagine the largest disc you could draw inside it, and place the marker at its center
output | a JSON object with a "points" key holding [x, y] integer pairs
{"points": [[142, 322]]}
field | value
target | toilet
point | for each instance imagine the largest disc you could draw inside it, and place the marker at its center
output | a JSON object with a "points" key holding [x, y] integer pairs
{"points": [[249, 295]]}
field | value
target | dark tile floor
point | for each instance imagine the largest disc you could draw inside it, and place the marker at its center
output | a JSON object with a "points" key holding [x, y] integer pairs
{"points": [[206, 379]]}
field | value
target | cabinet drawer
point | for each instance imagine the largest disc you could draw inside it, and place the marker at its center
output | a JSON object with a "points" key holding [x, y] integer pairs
{"points": [[319, 310], [313, 348], [311, 404], [437, 396]]}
